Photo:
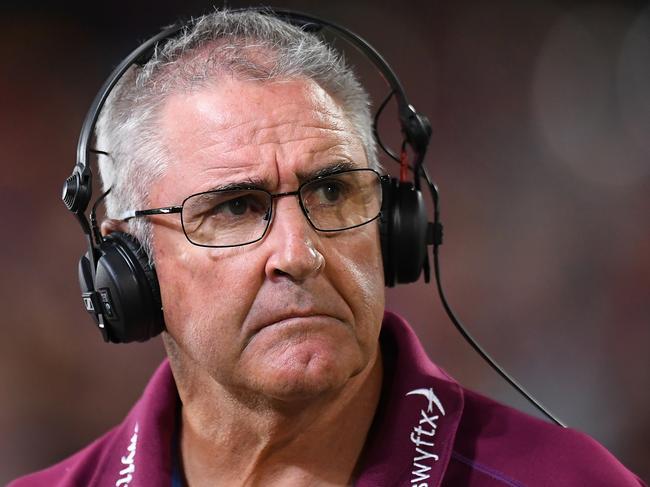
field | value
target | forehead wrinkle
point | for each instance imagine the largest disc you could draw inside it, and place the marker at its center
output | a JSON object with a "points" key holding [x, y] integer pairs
{"points": [[295, 130], [301, 126], [325, 141], [257, 137], [330, 140], [317, 117], [338, 148], [231, 138], [227, 134]]}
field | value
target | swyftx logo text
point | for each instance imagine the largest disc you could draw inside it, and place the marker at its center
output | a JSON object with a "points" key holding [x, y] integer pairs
{"points": [[422, 437]]}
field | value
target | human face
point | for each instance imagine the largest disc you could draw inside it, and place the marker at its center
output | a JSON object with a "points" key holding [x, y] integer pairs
{"points": [[298, 313]]}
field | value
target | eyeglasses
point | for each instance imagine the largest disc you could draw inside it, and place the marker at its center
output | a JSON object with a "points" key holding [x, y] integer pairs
{"points": [[234, 217]]}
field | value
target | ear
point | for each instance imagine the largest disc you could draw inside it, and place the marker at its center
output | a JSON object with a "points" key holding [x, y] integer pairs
{"points": [[109, 226]]}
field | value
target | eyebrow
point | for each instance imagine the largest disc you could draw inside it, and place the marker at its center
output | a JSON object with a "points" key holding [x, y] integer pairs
{"points": [[325, 171], [303, 176], [248, 183]]}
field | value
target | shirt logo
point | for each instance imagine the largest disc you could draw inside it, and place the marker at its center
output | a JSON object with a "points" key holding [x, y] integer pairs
{"points": [[422, 437], [126, 474]]}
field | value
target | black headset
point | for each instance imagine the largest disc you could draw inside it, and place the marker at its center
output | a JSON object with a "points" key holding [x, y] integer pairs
{"points": [[119, 286]]}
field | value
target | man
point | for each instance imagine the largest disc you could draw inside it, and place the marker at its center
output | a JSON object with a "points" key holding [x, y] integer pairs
{"points": [[283, 367]]}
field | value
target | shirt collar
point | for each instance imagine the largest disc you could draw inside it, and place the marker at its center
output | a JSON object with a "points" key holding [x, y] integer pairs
{"points": [[414, 428]]}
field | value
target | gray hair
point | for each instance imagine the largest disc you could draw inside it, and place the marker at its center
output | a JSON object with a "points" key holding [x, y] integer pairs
{"points": [[248, 45]]}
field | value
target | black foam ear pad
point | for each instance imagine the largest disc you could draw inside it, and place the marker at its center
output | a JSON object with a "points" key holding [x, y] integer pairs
{"points": [[403, 232], [128, 291]]}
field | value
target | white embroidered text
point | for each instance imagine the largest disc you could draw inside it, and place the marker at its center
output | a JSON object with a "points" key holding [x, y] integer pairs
{"points": [[126, 474], [422, 437]]}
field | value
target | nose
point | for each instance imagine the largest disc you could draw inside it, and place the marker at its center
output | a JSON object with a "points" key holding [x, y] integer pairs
{"points": [[293, 244]]}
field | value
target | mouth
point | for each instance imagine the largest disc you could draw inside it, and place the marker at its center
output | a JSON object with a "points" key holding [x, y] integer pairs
{"points": [[297, 320], [287, 319]]}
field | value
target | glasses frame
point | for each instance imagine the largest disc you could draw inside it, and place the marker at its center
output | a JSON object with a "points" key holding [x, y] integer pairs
{"points": [[169, 210]]}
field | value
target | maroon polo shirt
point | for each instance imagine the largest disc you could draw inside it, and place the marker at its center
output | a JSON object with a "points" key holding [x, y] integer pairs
{"points": [[428, 431]]}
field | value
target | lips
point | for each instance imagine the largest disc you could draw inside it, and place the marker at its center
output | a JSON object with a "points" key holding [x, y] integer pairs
{"points": [[289, 318], [287, 304], [276, 319]]}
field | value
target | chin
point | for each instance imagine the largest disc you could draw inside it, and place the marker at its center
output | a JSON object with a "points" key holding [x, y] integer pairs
{"points": [[307, 372], [302, 358]]}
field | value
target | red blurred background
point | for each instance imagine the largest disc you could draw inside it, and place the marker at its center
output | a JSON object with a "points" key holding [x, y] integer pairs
{"points": [[541, 148]]}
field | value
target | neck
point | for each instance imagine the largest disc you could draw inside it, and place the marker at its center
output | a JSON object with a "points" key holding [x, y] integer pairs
{"points": [[230, 439]]}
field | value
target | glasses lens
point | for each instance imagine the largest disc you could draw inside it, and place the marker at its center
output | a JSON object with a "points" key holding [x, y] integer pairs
{"points": [[226, 218], [343, 200]]}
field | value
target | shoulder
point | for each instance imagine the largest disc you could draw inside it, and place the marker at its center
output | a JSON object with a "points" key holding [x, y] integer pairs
{"points": [[490, 444], [513, 448], [83, 468], [138, 451]]}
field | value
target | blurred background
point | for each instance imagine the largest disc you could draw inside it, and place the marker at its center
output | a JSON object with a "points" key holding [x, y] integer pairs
{"points": [[541, 149]]}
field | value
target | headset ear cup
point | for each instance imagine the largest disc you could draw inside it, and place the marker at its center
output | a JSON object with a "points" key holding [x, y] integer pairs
{"points": [[128, 288], [87, 285], [403, 232]]}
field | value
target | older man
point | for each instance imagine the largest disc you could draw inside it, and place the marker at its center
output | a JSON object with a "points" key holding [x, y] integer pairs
{"points": [[241, 155]]}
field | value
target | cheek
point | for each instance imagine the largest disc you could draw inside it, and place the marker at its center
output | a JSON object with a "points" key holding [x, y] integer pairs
{"points": [[205, 294], [358, 273]]}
